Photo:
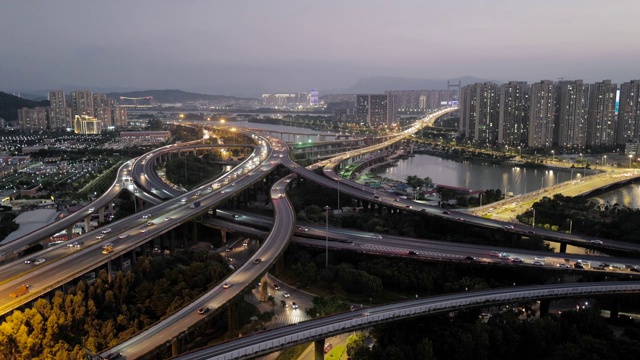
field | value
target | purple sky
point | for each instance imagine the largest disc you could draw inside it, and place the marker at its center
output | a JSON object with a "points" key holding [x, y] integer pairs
{"points": [[238, 46]]}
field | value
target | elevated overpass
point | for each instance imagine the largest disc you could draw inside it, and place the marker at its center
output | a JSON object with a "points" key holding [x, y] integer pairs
{"points": [[276, 339]]}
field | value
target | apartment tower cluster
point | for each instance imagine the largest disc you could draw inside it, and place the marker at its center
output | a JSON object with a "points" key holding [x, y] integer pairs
{"points": [[546, 114], [84, 111]]}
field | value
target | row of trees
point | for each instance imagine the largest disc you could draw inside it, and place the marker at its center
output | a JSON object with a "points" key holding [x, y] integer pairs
{"points": [[103, 314]]}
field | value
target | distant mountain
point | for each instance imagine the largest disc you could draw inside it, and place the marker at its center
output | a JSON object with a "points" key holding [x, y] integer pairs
{"points": [[381, 84], [33, 97], [171, 96], [10, 104]]}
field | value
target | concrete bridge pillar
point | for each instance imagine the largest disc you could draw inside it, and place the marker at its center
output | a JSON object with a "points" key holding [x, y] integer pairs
{"points": [[172, 240], [544, 307], [70, 232], [563, 248], [87, 223], [232, 316], [264, 288], [318, 349], [615, 309], [280, 266], [194, 232], [223, 233], [176, 347], [101, 215]]}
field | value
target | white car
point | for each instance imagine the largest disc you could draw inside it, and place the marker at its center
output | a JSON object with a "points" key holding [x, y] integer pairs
{"points": [[184, 200], [122, 236], [106, 231], [144, 229], [99, 236], [39, 261], [91, 209], [285, 294]]}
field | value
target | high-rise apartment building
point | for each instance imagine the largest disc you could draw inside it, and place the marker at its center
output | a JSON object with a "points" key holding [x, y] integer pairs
{"points": [[542, 106], [628, 125], [479, 112], [513, 120], [81, 103], [118, 115], [32, 119], [571, 114], [102, 109], [59, 112], [372, 108], [601, 118]]}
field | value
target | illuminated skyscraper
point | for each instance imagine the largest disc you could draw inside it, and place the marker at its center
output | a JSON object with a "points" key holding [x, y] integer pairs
{"points": [[372, 108], [629, 112], [32, 119], [479, 112], [601, 118]]}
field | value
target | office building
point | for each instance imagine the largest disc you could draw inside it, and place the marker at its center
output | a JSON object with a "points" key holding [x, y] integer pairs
{"points": [[628, 124], [542, 104], [601, 116], [513, 120], [32, 119], [86, 125], [571, 113]]}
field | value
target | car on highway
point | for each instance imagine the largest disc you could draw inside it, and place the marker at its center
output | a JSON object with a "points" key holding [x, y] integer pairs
{"points": [[276, 286], [99, 236], [597, 242], [446, 212], [113, 356], [283, 303], [226, 285], [122, 236], [541, 258], [470, 258], [285, 294], [509, 227], [516, 260], [144, 229], [183, 200], [91, 209], [564, 266], [408, 206], [167, 219], [539, 263], [39, 261], [198, 193], [411, 252], [30, 261], [257, 261], [578, 266], [294, 305], [376, 236], [76, 244], [203, 310], [146, 216], [300, 228], [106, 231], [229, 248]]}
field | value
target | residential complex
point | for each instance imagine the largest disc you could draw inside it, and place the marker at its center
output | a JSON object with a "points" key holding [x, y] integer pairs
{"points": [[62, 114], [567, 113]]}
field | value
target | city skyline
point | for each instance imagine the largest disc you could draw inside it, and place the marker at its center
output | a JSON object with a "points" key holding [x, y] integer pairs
{"points": [[295, 46]]}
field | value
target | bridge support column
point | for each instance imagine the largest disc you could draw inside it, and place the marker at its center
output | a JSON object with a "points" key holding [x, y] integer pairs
{"points": [[232, 316], [318, 349], [101, 215], [176, 347], [111, 207], [615, 309], [264, 289], [141, 204], [563, 248], [223, 233], [172, 241], [194, 230], [87, 223], [109, 271], [70, 232], [544, 307], [280, 266]]}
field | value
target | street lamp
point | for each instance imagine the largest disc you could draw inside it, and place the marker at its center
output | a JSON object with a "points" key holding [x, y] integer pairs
{"points": [[553, 155], [570, 225], [326, 233], [542, 183], [604, 160], [533, 222], [630, 157]]}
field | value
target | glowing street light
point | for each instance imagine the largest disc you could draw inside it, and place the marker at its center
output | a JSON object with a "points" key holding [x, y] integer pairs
{"points": [[630, 157]]}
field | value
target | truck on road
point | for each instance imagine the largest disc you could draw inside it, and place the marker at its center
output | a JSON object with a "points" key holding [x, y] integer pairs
{"points": [[20, 291]]}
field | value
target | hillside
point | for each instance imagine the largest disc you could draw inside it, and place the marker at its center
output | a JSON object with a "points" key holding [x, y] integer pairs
{"points": [[171, 96], [10, 104]]}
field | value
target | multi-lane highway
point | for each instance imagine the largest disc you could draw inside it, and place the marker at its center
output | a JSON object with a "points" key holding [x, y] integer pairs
{"points": [[424, 249]]}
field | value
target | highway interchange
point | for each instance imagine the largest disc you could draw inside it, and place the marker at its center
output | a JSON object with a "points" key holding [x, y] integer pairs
{"points": [[174, 212]]}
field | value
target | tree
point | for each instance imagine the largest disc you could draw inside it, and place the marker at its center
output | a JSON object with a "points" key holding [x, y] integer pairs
{"points": [[355, 342]]}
